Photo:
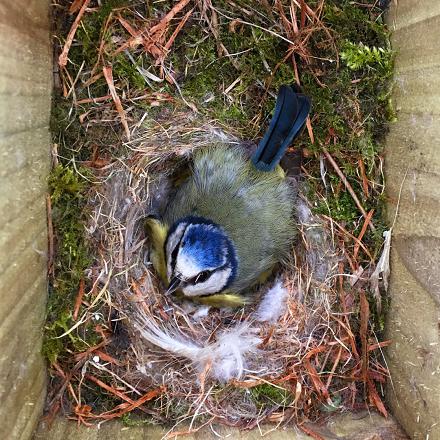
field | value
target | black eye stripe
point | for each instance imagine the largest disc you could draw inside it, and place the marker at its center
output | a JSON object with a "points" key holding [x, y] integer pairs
{"points": [[174, 255], [175, 252], [201, 277], [205, 275]]}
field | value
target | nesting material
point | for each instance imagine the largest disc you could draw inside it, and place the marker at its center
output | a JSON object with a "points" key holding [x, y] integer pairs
{"points": [[281, 359], [382, 270], [273, 304]]}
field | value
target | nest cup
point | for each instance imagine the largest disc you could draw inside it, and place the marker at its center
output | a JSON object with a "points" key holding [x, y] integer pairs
{"points": [[240, 367]]}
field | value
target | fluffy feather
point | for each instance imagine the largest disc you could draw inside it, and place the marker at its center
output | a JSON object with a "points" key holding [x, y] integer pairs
{"points": [[273, 304], [226, 357]]}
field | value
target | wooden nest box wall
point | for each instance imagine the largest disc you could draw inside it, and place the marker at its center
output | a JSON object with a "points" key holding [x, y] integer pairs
{"points": [[412, 169]]}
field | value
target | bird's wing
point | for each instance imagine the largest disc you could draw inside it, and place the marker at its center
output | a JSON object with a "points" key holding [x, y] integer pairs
{"points": [[222, 300], [157, 231]]}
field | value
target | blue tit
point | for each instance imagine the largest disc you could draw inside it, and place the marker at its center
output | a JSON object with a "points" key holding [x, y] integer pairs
{"points": [[232, 220]]}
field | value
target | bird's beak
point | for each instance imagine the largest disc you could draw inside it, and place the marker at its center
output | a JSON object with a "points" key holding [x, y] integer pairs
{"points": [[175, 283]]}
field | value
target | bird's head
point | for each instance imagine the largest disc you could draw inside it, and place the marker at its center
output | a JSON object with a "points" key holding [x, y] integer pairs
{"points": [[200, 257]]}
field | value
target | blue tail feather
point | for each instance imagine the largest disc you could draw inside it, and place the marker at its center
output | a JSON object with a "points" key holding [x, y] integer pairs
{"points": [[288, 120]]}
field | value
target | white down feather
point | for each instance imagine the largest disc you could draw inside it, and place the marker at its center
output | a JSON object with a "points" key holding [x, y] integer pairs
{"points": [[226, 357]]}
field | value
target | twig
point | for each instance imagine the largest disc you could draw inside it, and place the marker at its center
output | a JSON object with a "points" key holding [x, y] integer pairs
{"points": [[375, 399], [62, 60], [361, 234], [79, 298], [94, 100], [255, 25], [101, 48], [350, 235], [75, 6], [348, 186], [170, 41], [125, 408], [109, 388], [364, 178], [310, 432], [108, 75], [161, 26], [332, 371]]}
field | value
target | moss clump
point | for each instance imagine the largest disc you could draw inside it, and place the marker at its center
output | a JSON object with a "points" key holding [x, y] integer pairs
{"points": [[124, 69], [227, 77], [267, 395], [89, 33], [358, 56], [351, 111], [72, 257], [132, 420]]}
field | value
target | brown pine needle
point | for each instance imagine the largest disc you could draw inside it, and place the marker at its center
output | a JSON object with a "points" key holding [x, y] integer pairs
{"points": [[75, 6], [365, 313], [162, 25], [94, 100], [170, 42], [367, 252], [364, 178], [375, 399], [108, 388], [310, 130], [310, 432]]}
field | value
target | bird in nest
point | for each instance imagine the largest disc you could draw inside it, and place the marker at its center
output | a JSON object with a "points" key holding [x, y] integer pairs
{"points": [[232, 220]]}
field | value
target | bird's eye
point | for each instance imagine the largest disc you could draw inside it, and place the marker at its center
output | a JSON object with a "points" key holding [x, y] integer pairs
{"points": [[202, 276]]}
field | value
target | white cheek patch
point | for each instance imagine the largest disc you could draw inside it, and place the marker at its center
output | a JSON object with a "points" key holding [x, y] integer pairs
{"points": [[173, 240], [214, 284], [186, 266]]}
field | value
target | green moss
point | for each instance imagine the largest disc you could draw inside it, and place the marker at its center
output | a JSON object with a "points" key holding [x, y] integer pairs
{"points": [[72, 257], [358, 56], [268, 395], [351, 110], [88, 35], [340, 208], [351, 107], [66, 130], [124, 69], [350, 22], [129, 419], [209, 72]]}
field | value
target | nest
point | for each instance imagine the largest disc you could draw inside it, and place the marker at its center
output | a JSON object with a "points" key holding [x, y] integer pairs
{"points": [[286, 357], [307, 347]]}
